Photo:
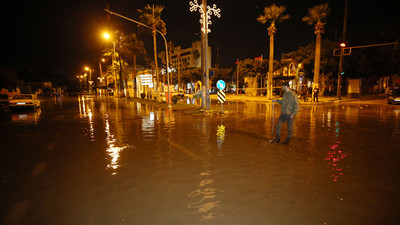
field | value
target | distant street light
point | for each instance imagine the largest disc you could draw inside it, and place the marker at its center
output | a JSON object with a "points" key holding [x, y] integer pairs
{"points": [[80, 83], [101, 73], [90, 79], [81, 77]]}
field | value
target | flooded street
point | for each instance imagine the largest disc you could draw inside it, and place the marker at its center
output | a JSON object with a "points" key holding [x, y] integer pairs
{"points": [[82, 160]]}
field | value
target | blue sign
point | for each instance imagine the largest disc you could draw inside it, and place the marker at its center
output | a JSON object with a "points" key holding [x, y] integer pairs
{"points": [[221, 85]]}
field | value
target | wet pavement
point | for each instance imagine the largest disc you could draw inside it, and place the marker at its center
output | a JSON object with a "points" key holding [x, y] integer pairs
{"points": [[114, 161]]}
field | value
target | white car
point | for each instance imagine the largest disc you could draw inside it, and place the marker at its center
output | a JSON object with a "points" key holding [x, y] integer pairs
{"points": [[24, 101]]}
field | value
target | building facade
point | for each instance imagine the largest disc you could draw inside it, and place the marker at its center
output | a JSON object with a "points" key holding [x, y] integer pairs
{"points": [[189, 57]]}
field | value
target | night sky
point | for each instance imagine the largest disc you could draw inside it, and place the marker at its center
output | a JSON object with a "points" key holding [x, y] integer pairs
{"points": [[64, 36]]}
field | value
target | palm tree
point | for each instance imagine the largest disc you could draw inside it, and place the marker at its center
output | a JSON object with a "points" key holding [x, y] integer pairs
{"points": [[316, 15], [113, 69], [151, 15], [136, 47], [272, 14], [161, 55], [121, 43]]}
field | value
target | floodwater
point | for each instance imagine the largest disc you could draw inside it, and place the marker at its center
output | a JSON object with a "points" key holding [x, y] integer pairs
{"points": [[85, 160]]}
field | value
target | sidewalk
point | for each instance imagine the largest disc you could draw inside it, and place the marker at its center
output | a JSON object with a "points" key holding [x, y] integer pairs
{"points": [[321, 100]]}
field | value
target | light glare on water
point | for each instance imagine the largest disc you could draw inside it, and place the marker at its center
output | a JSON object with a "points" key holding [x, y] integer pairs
{"points": [[114, 161]]}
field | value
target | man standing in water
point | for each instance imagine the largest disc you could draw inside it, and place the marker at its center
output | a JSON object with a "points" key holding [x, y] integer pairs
{"points": [[289, 108]]}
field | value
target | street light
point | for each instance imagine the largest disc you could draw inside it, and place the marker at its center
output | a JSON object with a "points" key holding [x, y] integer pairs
{"points": [[107, 36], [165, 43], [101, 73], [90, 79], [81, 77]]}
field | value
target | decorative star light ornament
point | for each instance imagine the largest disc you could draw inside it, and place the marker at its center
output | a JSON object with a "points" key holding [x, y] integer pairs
{"points": [[205, 17]]}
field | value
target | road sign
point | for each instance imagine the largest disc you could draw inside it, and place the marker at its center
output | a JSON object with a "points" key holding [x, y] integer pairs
{"points": [[221, 85], [221, 96]]}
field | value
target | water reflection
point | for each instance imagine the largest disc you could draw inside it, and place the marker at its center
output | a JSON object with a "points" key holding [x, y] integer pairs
{"points": [[58, 102], [112, 150], [220, 138], [204, 198], [327, 119], [27, 116], [86, 107], [148, 127], [193, 101], [335, 155]]}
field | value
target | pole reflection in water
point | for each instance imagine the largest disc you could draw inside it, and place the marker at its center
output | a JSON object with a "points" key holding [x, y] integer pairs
{"points": [[335, 155], [220, 138], [148, 127], [86, 111], [193, 101], [112, 150]]}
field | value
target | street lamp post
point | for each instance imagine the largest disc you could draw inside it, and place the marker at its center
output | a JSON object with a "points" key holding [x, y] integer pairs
{"points": [[237, 77], [205, 20], [90, 79], [107, 37], [165, 43], [80, 83]]}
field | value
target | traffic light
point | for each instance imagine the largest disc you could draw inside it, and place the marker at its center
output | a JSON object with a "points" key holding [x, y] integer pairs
{"points": [[342, 45]]}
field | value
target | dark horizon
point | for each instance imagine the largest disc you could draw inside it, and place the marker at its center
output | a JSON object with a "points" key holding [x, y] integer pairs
{"points": [[61, 37]]}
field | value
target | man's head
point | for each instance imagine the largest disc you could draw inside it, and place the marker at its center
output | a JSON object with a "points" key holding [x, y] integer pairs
{"points": [[285, 87]]}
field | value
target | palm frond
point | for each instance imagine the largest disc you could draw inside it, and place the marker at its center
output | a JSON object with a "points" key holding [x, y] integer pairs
{"points": [[273, 14], [317, 14]]}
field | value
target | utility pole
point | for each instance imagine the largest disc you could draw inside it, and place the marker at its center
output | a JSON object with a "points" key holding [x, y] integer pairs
{"points": [[205, 14], [340, 72], [342, 49], [237, 77], [204, 42]]}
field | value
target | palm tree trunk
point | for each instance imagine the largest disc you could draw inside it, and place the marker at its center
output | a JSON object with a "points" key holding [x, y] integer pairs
{"points": [[169, 58], [121, 82], [134, 75], [317, 62], [156, 64], [271, 66]]}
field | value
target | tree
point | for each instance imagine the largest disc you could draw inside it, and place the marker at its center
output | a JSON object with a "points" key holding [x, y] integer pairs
{"points": [[151, 15], [254, 70], [272, 14], [135, 47], [191, 75], [328, 63], [221, 74], [114, 68], [316, 15], [162, 56]]}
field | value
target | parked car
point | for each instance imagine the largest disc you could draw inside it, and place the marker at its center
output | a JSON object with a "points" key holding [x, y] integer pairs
{"points": [[213, 91], [393, 97], [24, 101]]}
